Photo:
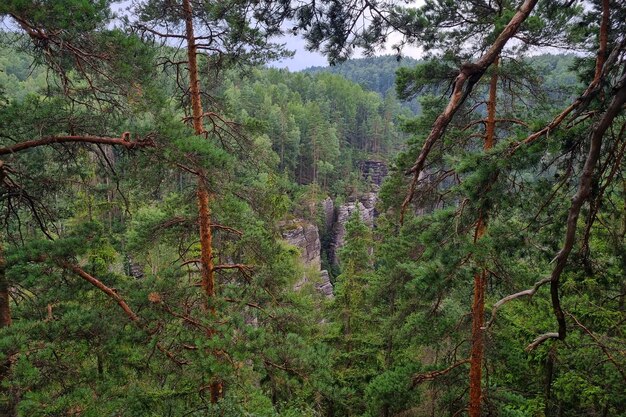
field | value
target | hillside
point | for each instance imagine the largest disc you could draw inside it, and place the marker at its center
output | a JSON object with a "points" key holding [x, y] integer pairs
{"points": [[185, 232], [378, 74]]}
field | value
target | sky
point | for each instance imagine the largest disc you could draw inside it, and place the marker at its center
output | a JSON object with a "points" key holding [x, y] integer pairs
{"points": [[305, 59], [302, 59]]}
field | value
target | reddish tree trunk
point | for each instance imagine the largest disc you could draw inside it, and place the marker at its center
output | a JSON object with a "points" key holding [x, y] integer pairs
{"points": [[468, 76], [480, 278], [5, 308], [476, 357], [192, 58], [204, 213]]}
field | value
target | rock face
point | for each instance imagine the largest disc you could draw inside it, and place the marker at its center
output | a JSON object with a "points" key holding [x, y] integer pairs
{"points": [[373, 171], [325, 286], [133, 269], [306, 238], [328, 211], [339, 228]]}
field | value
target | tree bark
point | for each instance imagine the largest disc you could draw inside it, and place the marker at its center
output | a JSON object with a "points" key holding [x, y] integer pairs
{"points": [[603, 39], [192, 58], [583, 192], [203, 195], [480, 278], [110, 292]]}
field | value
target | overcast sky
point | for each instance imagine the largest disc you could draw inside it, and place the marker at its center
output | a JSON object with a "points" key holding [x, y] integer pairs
{"points": [[305, 59], [302, 59]]}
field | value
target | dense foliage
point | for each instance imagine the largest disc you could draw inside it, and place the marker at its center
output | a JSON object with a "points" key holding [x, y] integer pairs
{"points": [[150, 165]]}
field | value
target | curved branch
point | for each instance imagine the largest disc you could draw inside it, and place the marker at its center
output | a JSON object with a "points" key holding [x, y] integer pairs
{"points": [[540, 339], [583, 192], [429, 376], [48, 140], [98, 284], [110, 292], [526, 293], [602, 66], [469, 75]]}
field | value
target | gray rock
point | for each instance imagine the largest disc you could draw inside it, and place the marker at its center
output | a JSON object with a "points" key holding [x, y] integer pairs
{"points": [[134, 269], [339, 228], [369, 201], [325, 286], [328, 209], [373, 171], [306, 238]]}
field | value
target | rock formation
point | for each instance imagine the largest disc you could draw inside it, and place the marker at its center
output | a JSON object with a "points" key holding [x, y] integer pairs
{"points": [[339, 228], [373, 171], [325, 286], [328, 211], [305, 236]]}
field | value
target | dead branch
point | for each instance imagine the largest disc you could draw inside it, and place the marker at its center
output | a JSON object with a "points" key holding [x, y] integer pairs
{"points": [[429, 376], [540, 339], [241, 267], [602, 346], [226, 228], [253, 305], [526, 293]]}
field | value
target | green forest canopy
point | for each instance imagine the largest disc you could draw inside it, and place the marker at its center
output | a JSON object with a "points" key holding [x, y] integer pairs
{"points": [[147, 191]]}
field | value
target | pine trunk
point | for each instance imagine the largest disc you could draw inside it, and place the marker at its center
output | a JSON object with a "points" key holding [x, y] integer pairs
{"points": [[480, 278], [204, 213]]}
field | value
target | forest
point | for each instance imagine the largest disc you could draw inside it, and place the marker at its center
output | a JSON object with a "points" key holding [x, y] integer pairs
{"points": [[187, 230]]}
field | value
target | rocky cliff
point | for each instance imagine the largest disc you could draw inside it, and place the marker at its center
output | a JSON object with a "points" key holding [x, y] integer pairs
{"points": [[365, 205], [305, 235], [373, 171]]}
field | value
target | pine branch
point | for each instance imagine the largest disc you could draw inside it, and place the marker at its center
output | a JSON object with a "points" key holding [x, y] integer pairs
{"points": [[49, 140], [429, 376], [468, 76]]}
